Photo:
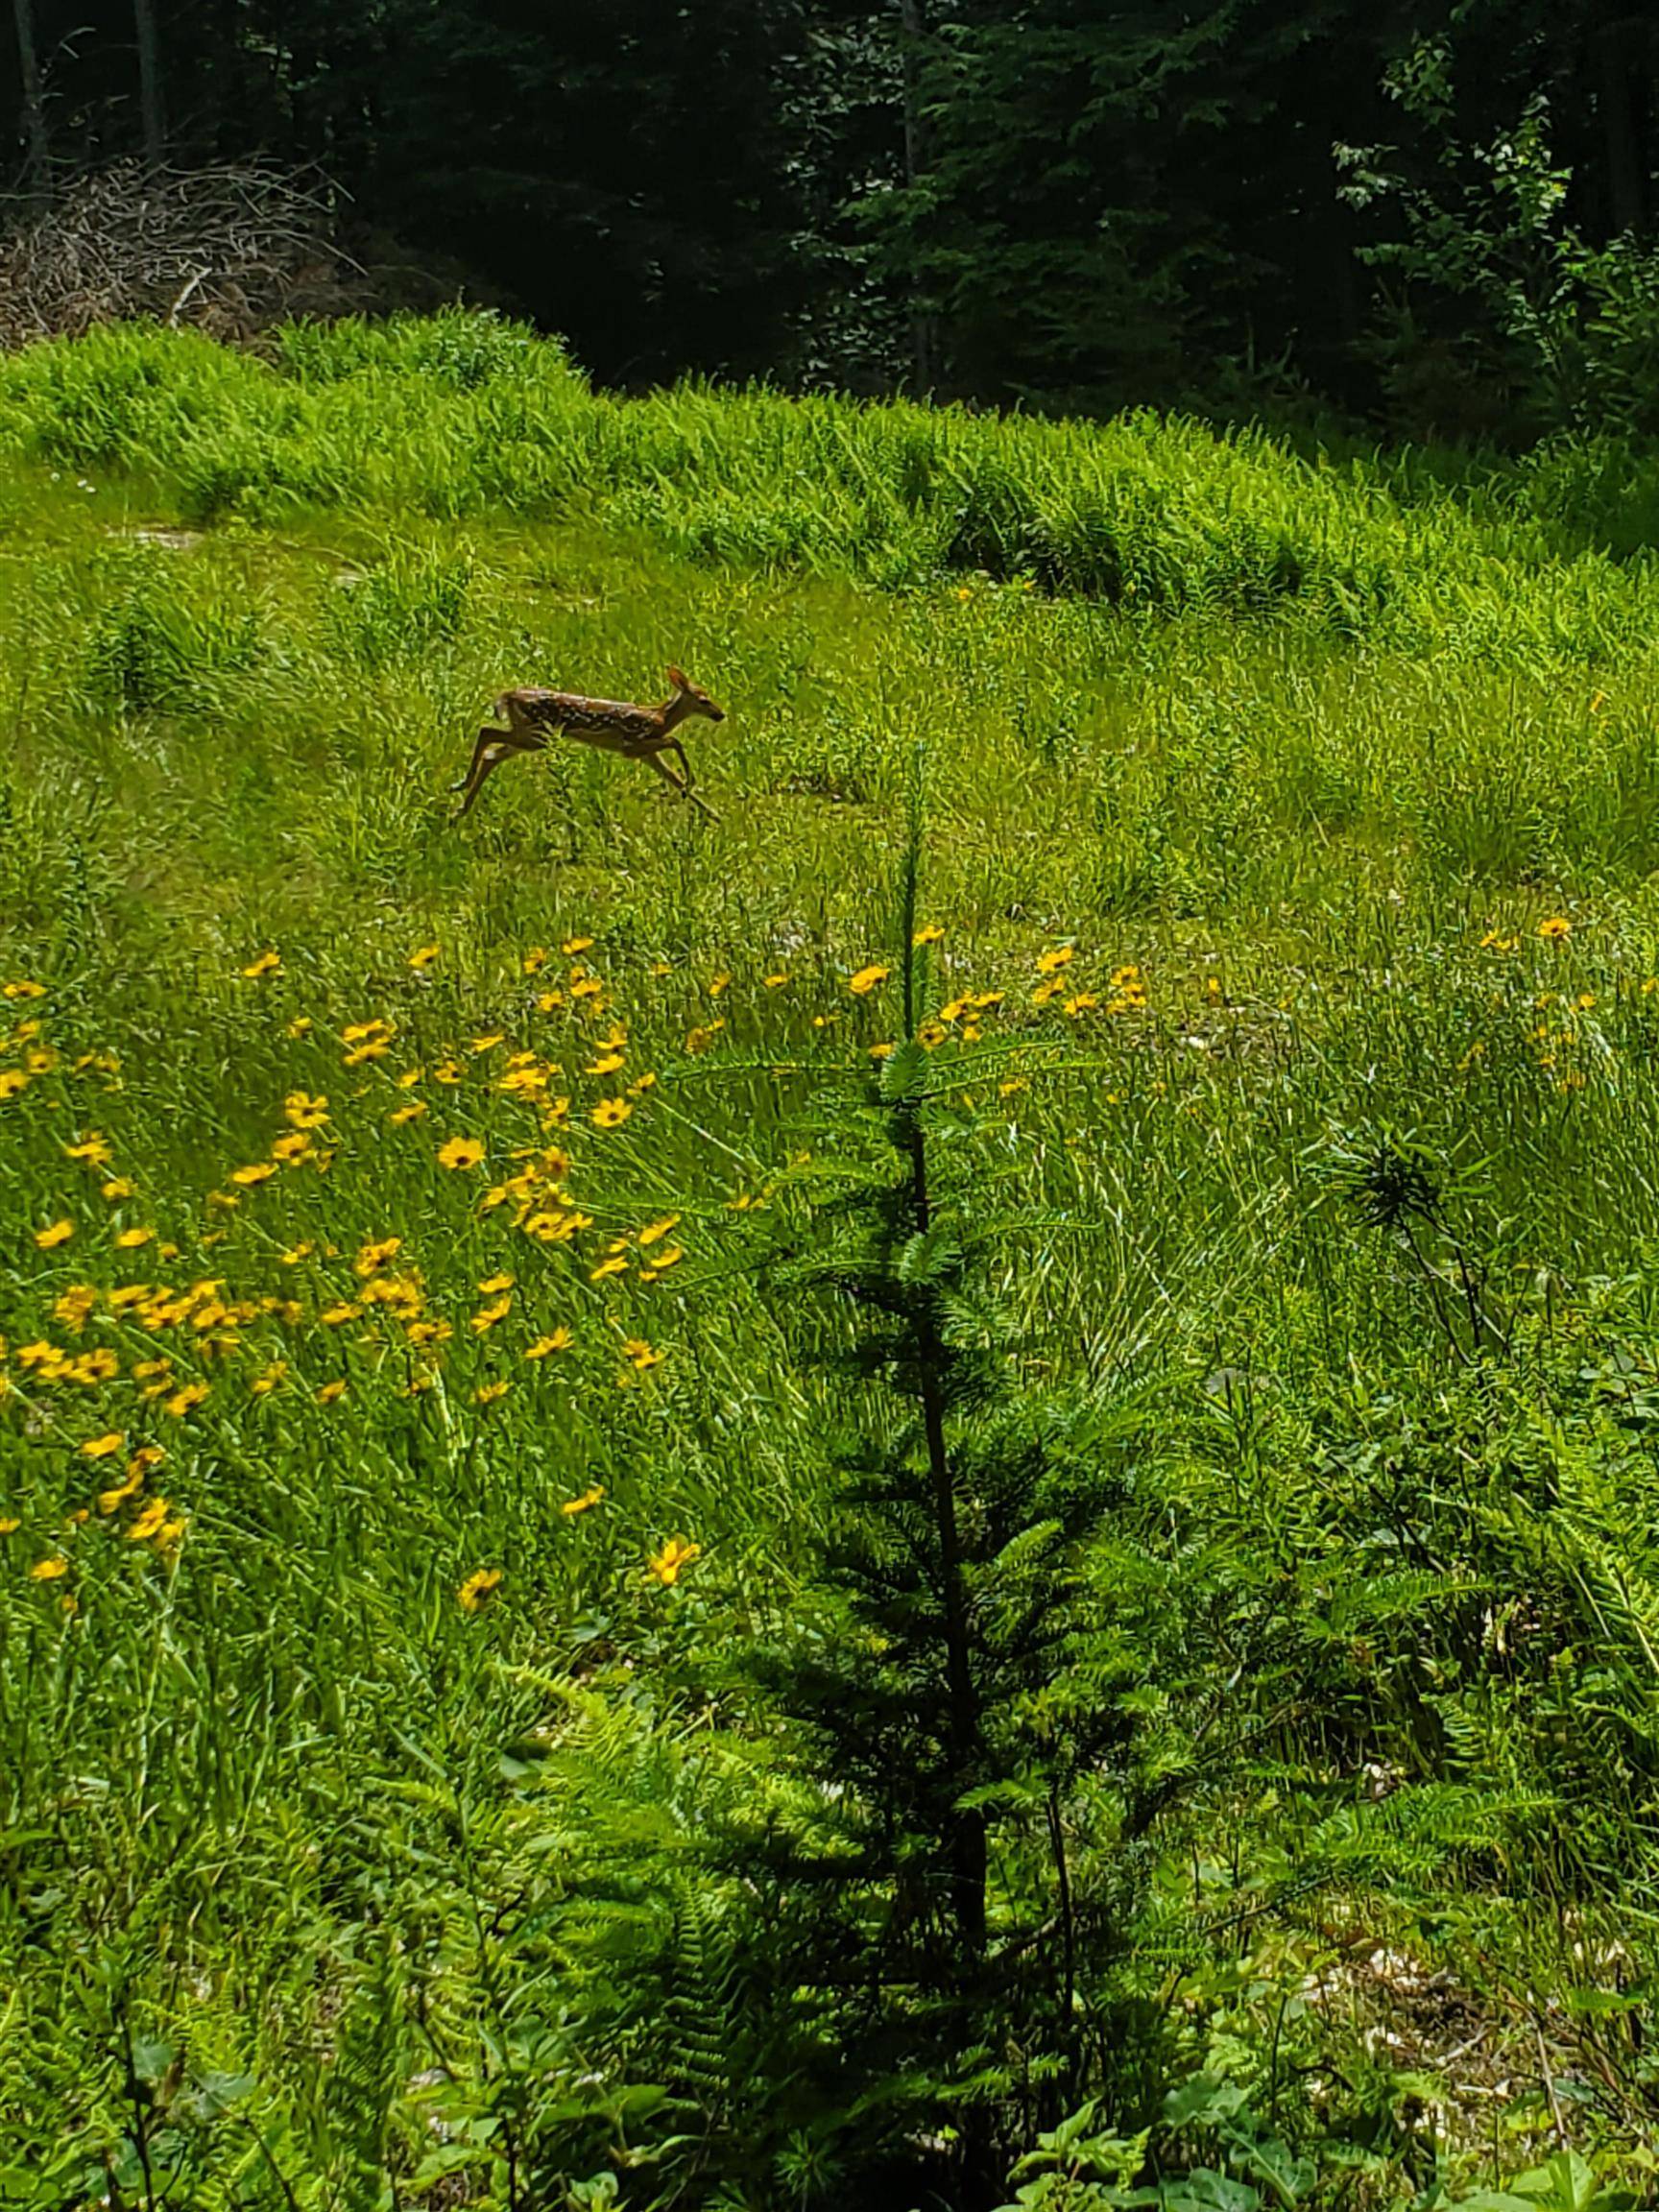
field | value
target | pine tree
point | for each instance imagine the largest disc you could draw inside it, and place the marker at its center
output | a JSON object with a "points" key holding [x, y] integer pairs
{"points": [[953, 1700]]}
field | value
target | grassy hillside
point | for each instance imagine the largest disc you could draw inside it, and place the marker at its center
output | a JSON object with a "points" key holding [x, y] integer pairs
{"points": [[402, 1251]]}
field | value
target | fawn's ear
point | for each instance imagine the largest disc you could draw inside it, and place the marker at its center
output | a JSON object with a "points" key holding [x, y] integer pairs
{"points": [[677, 676]]}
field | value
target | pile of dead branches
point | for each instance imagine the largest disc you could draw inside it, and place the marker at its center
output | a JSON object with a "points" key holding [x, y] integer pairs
{"points": [[231, 250]]}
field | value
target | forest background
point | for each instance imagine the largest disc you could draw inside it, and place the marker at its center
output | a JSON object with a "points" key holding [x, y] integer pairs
{"points": [[1432, 216]]}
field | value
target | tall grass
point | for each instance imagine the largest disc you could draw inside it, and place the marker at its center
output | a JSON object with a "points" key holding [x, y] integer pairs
{"points": [[1282, 822], [462, 417]]}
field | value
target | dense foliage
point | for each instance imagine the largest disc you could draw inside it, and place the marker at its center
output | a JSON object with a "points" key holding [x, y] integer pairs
{"points": [[1443, 212], [941, 1490]]}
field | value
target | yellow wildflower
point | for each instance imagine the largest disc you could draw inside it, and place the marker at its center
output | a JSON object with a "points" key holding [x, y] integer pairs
{"points": [[777, 981], [75, 1304], [55, 1234], [102, 1447], [22, 988], [267, 964], [1556, 928], [258, 1171], [117, 1189], [614, 1266], [130, 1240], [459, 1152], [641, 1355], [488, 1044], [590, 1497], [535, 960], [184, 1400], [92, 1149], [607, 1064], [611, 1113], [304, 1112], [867, 978], [479, 1587], [13, 1080], [424, 957], [487, 1394], [675, 1555], [556, 1340], [574, 944], [1052, 962], [402, 1115], [48, 1570], [331, 1393], [149, 1522], [374, 1255], [109, 1501], [263, 1384], [931, 933], [487, 1317]]}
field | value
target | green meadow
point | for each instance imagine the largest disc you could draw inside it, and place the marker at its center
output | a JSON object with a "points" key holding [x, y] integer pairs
{"points": [[427, 1369]]}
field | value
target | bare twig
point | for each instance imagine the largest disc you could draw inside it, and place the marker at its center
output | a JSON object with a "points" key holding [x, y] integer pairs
{"points": [[238, 245]]}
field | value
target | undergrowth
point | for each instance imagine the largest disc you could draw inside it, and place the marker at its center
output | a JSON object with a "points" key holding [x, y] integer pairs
{"points": [[540, 1358]]}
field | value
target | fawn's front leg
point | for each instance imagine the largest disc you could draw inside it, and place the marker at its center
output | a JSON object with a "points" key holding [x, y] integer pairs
{"points": [[665, 771], [685, 789]]}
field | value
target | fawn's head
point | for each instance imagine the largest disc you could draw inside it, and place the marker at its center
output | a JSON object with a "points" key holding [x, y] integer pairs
{"points": [[697, 700]]}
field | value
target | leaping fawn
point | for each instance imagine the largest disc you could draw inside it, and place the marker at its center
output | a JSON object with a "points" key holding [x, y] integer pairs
{"points": [[535, 717]]}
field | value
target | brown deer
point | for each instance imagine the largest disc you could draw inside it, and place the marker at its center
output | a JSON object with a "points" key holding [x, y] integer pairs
{"points": [[535, 718]]}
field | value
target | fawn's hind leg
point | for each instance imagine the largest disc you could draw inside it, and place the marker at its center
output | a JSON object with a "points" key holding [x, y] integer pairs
{"points": [[485, 736], [493, 746]]}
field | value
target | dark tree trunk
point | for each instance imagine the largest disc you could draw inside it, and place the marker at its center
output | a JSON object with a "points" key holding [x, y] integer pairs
{"points": [[33, 105], [912, 28], [1623, 60], [149, 102]]}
